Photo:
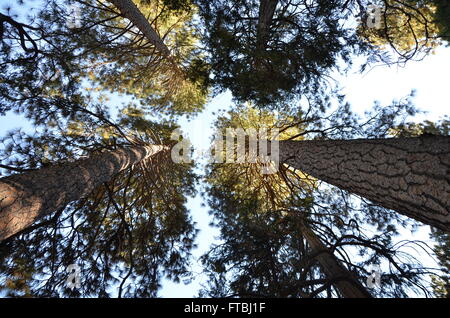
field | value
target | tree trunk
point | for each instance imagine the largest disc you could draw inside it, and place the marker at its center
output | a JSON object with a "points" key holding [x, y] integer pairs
{"points": [[346, 282], [130, 11], [26, 197], [408, 175], [266, 12]]}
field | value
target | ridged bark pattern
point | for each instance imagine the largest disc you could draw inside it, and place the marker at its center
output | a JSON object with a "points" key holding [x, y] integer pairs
{"points": [[26, 197], [130, 11], [346, 281], [408, 175]]}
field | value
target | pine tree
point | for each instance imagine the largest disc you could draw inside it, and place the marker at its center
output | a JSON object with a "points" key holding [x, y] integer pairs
{"points": [[440, 282], [126, 234], [129, 10], [290, 45], [408, 175], [27, 197], [285, 235], [409, 28], [105, 52]]}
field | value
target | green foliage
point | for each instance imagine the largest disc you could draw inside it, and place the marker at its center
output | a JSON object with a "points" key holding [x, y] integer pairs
{"points": [[263, 253], [304, 41], [104, 53], [129, 65], [271, 189], [442, 17], [425, 128], [441, 283], [412, 28], [126, 236], [134, 230]]}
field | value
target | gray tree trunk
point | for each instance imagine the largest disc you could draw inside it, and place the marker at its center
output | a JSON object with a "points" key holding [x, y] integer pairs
{"points": [[26, 197], [130, 11], [408, 175], [346, 282]]}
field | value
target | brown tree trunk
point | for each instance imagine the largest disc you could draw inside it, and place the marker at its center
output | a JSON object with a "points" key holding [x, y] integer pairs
{"points": [[346, 282], [408, 175], [130, 11], [266, 12], [26, 197]]}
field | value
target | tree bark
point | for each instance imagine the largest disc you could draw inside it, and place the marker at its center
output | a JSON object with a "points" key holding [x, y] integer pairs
{"points": [[408, 175], [26, 197], [346, 281], [130, 11], [266, 13]]}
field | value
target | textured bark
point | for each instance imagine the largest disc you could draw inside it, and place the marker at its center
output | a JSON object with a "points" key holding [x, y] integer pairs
{"points": [[130, 11], [346, 282], [26, 197], [266, 12], [408, 175]]}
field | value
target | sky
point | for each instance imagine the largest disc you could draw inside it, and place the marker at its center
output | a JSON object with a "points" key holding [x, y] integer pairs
{"points": [[430, 79]]}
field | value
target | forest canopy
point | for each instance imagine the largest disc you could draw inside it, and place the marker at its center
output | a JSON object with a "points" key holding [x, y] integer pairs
{"points": [[89, 178]]}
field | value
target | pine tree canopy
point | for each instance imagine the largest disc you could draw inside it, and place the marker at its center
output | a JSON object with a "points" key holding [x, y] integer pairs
{"points": [[89, 178]]}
